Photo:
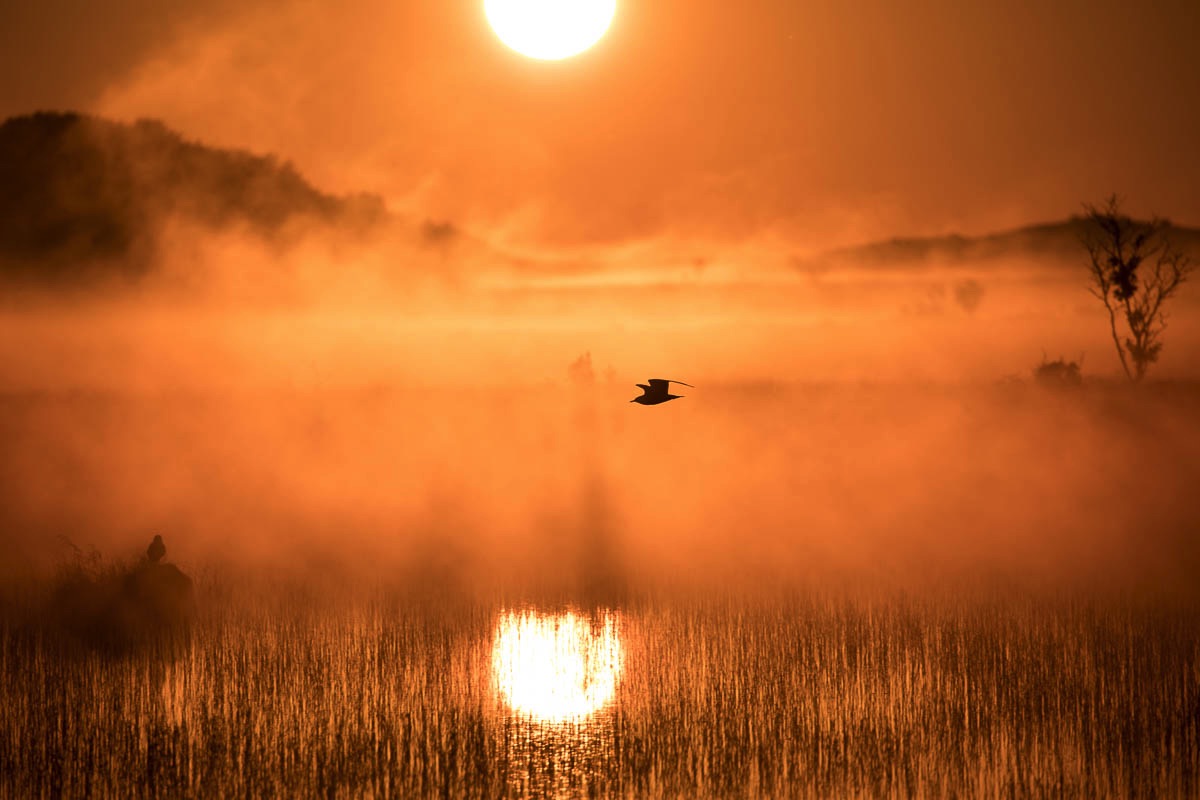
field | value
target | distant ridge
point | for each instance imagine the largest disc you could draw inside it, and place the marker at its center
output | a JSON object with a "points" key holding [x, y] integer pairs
{"points": [[1051, 241], [82, 196]]}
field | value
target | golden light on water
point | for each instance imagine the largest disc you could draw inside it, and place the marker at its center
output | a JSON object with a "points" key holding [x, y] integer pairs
{"points": [[560, 667]]}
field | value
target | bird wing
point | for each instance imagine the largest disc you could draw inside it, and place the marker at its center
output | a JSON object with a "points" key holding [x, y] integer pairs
{"points": [[645, 389], [662, 384]]}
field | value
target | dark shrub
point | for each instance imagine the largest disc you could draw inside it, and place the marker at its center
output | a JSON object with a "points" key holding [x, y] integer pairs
{"points": [[1058, 373], [117, 607]]}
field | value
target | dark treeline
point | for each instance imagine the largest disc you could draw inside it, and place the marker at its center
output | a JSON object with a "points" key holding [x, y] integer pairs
{"points": [[82, 196]]}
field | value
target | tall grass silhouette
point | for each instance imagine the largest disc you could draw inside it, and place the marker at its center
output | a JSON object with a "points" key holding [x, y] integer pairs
{"points": [[282, 693]]}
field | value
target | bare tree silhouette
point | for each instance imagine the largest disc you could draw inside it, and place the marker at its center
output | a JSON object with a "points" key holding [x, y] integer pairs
{"points": [[1135, 270]]}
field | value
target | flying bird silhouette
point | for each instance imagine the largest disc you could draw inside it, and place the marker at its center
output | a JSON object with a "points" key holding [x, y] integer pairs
{"points": [[156, 550], [657, 392]]}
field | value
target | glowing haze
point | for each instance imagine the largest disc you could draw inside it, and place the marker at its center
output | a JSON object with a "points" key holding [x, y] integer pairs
{"points": [[820, 122], [452, 395]]}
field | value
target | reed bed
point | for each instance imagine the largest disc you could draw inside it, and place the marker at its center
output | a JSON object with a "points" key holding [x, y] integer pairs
{"points": [[287, 693]]}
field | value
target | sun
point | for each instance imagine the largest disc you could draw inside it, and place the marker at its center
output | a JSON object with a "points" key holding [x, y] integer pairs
{"points": [[550, 29]]}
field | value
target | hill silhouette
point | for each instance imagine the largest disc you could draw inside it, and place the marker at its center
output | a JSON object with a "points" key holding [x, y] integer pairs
{"points": [[86, 197], [1050, 242], [83, 198]]}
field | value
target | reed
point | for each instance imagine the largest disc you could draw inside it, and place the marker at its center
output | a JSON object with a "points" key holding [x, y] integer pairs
{"points": [[287, 693]]}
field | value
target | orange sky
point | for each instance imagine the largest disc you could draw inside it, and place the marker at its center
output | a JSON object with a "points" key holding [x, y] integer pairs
{"points": [[821, 122]]}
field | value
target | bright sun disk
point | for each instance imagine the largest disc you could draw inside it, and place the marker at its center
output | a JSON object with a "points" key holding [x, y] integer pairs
{"points": [[550, 29]]}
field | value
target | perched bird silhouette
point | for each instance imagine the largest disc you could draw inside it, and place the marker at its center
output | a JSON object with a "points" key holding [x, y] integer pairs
{"points": [[156, 550], [657, 392]]}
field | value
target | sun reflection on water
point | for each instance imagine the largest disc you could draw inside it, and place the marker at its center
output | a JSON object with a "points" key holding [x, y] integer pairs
{"points": [[557, 667]]}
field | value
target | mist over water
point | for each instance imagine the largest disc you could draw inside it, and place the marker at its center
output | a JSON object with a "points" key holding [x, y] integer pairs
{"points": [[451, 441]]}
